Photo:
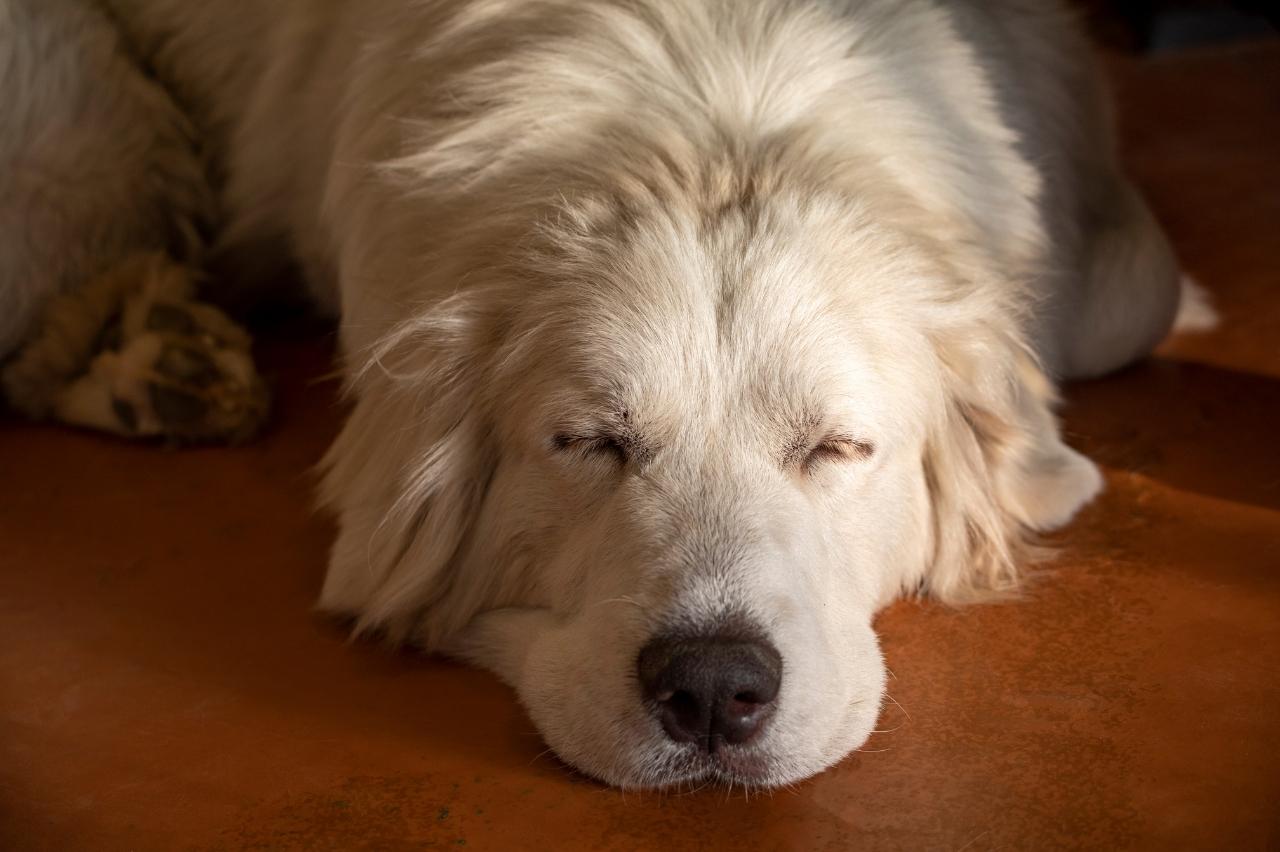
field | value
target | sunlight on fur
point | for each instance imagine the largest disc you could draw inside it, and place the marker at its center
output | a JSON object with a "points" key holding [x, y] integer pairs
{"points": [[673, 331]]}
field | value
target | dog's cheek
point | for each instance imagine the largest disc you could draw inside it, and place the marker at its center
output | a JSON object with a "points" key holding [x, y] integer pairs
{"points": [[836, 692], [575, 677], [578, 683], [501, 641]]}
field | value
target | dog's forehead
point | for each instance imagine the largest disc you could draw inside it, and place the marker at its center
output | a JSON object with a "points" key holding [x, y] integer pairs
{"points": [[800, 311], [718, 337]]}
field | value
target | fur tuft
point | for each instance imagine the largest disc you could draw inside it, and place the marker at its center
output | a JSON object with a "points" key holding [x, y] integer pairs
{"points": [[406, 496]]}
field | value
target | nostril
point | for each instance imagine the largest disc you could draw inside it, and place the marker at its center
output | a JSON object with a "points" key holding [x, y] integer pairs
{"points": [[685, 705], [684, 716], [739, 708], [738, 721]]}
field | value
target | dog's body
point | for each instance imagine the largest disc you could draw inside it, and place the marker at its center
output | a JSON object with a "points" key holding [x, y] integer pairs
{"points": [[675, 329]]}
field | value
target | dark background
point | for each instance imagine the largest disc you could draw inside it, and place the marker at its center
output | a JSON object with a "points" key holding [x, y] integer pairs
{"points": [[1152, 26]]}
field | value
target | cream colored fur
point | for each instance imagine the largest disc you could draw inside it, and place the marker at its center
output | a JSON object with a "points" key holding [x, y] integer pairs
{"points": [[660, 313]]}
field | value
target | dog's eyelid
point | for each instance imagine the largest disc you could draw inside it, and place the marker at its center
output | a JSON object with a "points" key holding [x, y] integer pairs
{"points": [[839, 447], [860, 446], [598, 444]]}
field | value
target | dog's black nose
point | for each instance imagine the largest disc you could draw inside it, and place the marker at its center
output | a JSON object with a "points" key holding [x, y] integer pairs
{"points": [[711, 690]]}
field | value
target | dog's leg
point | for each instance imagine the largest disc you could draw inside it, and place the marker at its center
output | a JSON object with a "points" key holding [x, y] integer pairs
{"points": [[104, 204], [1130, 289], [133, 353], [1109, 287], [96, 160]]}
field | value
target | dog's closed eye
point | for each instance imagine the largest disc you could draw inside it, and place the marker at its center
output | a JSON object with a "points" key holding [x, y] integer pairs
{"points": [[593, 445], [837, 448]]}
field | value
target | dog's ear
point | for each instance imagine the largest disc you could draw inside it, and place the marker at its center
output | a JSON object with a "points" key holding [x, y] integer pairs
{"points": [[996, 465], [407, 475]]}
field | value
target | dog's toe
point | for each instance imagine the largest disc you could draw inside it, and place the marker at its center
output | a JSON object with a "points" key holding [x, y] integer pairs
{"points": [[186, 389]]}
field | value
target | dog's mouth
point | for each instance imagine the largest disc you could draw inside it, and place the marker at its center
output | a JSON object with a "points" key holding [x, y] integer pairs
{"points": [[734, 768]]}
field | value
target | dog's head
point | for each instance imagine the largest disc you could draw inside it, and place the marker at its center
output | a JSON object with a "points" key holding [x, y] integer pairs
{"points": [[662, 464]]}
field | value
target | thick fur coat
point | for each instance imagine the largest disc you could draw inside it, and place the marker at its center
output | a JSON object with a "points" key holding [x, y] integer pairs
{"points": [[657, 317]]}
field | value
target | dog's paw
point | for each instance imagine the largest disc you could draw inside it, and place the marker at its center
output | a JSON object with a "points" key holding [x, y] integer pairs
{"points": [[1196, 312], [136, 355], [184, 373]]}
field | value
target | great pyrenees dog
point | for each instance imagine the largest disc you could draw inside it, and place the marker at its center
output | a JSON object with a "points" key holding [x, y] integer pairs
{"points": [[680, 336]]}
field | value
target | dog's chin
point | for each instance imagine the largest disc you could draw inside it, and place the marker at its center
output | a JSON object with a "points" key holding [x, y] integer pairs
{"points": [[686, 769], [666, 766], [736, 769], [730, 769]]}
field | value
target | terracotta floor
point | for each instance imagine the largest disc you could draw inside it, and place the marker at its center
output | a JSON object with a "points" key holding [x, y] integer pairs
{"points": [[163, 684]]}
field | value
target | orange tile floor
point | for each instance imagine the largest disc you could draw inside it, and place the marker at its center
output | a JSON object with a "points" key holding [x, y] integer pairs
{"points": [[164, 684]]}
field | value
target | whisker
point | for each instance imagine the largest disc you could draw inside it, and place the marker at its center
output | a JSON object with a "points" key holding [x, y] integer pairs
{"points": [[541, 755], [975, 839], [620, 599], [887, 730], [898, 705]]}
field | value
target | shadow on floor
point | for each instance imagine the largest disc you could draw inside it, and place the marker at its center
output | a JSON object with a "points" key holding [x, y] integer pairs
{"points": [[1194, 427]]}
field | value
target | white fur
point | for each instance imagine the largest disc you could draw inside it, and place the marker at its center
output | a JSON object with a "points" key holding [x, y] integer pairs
{"points": [[1196, 312], [723, 231]]}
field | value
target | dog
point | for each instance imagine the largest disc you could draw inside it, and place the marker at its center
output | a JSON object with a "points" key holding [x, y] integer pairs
{"points": [[680, 336]]}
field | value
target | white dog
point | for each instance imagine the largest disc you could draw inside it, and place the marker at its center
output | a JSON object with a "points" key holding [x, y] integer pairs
{"points": [[682, 335]]}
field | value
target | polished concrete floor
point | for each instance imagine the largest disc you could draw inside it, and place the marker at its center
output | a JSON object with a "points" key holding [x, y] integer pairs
{"points": [[164, 684]]}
